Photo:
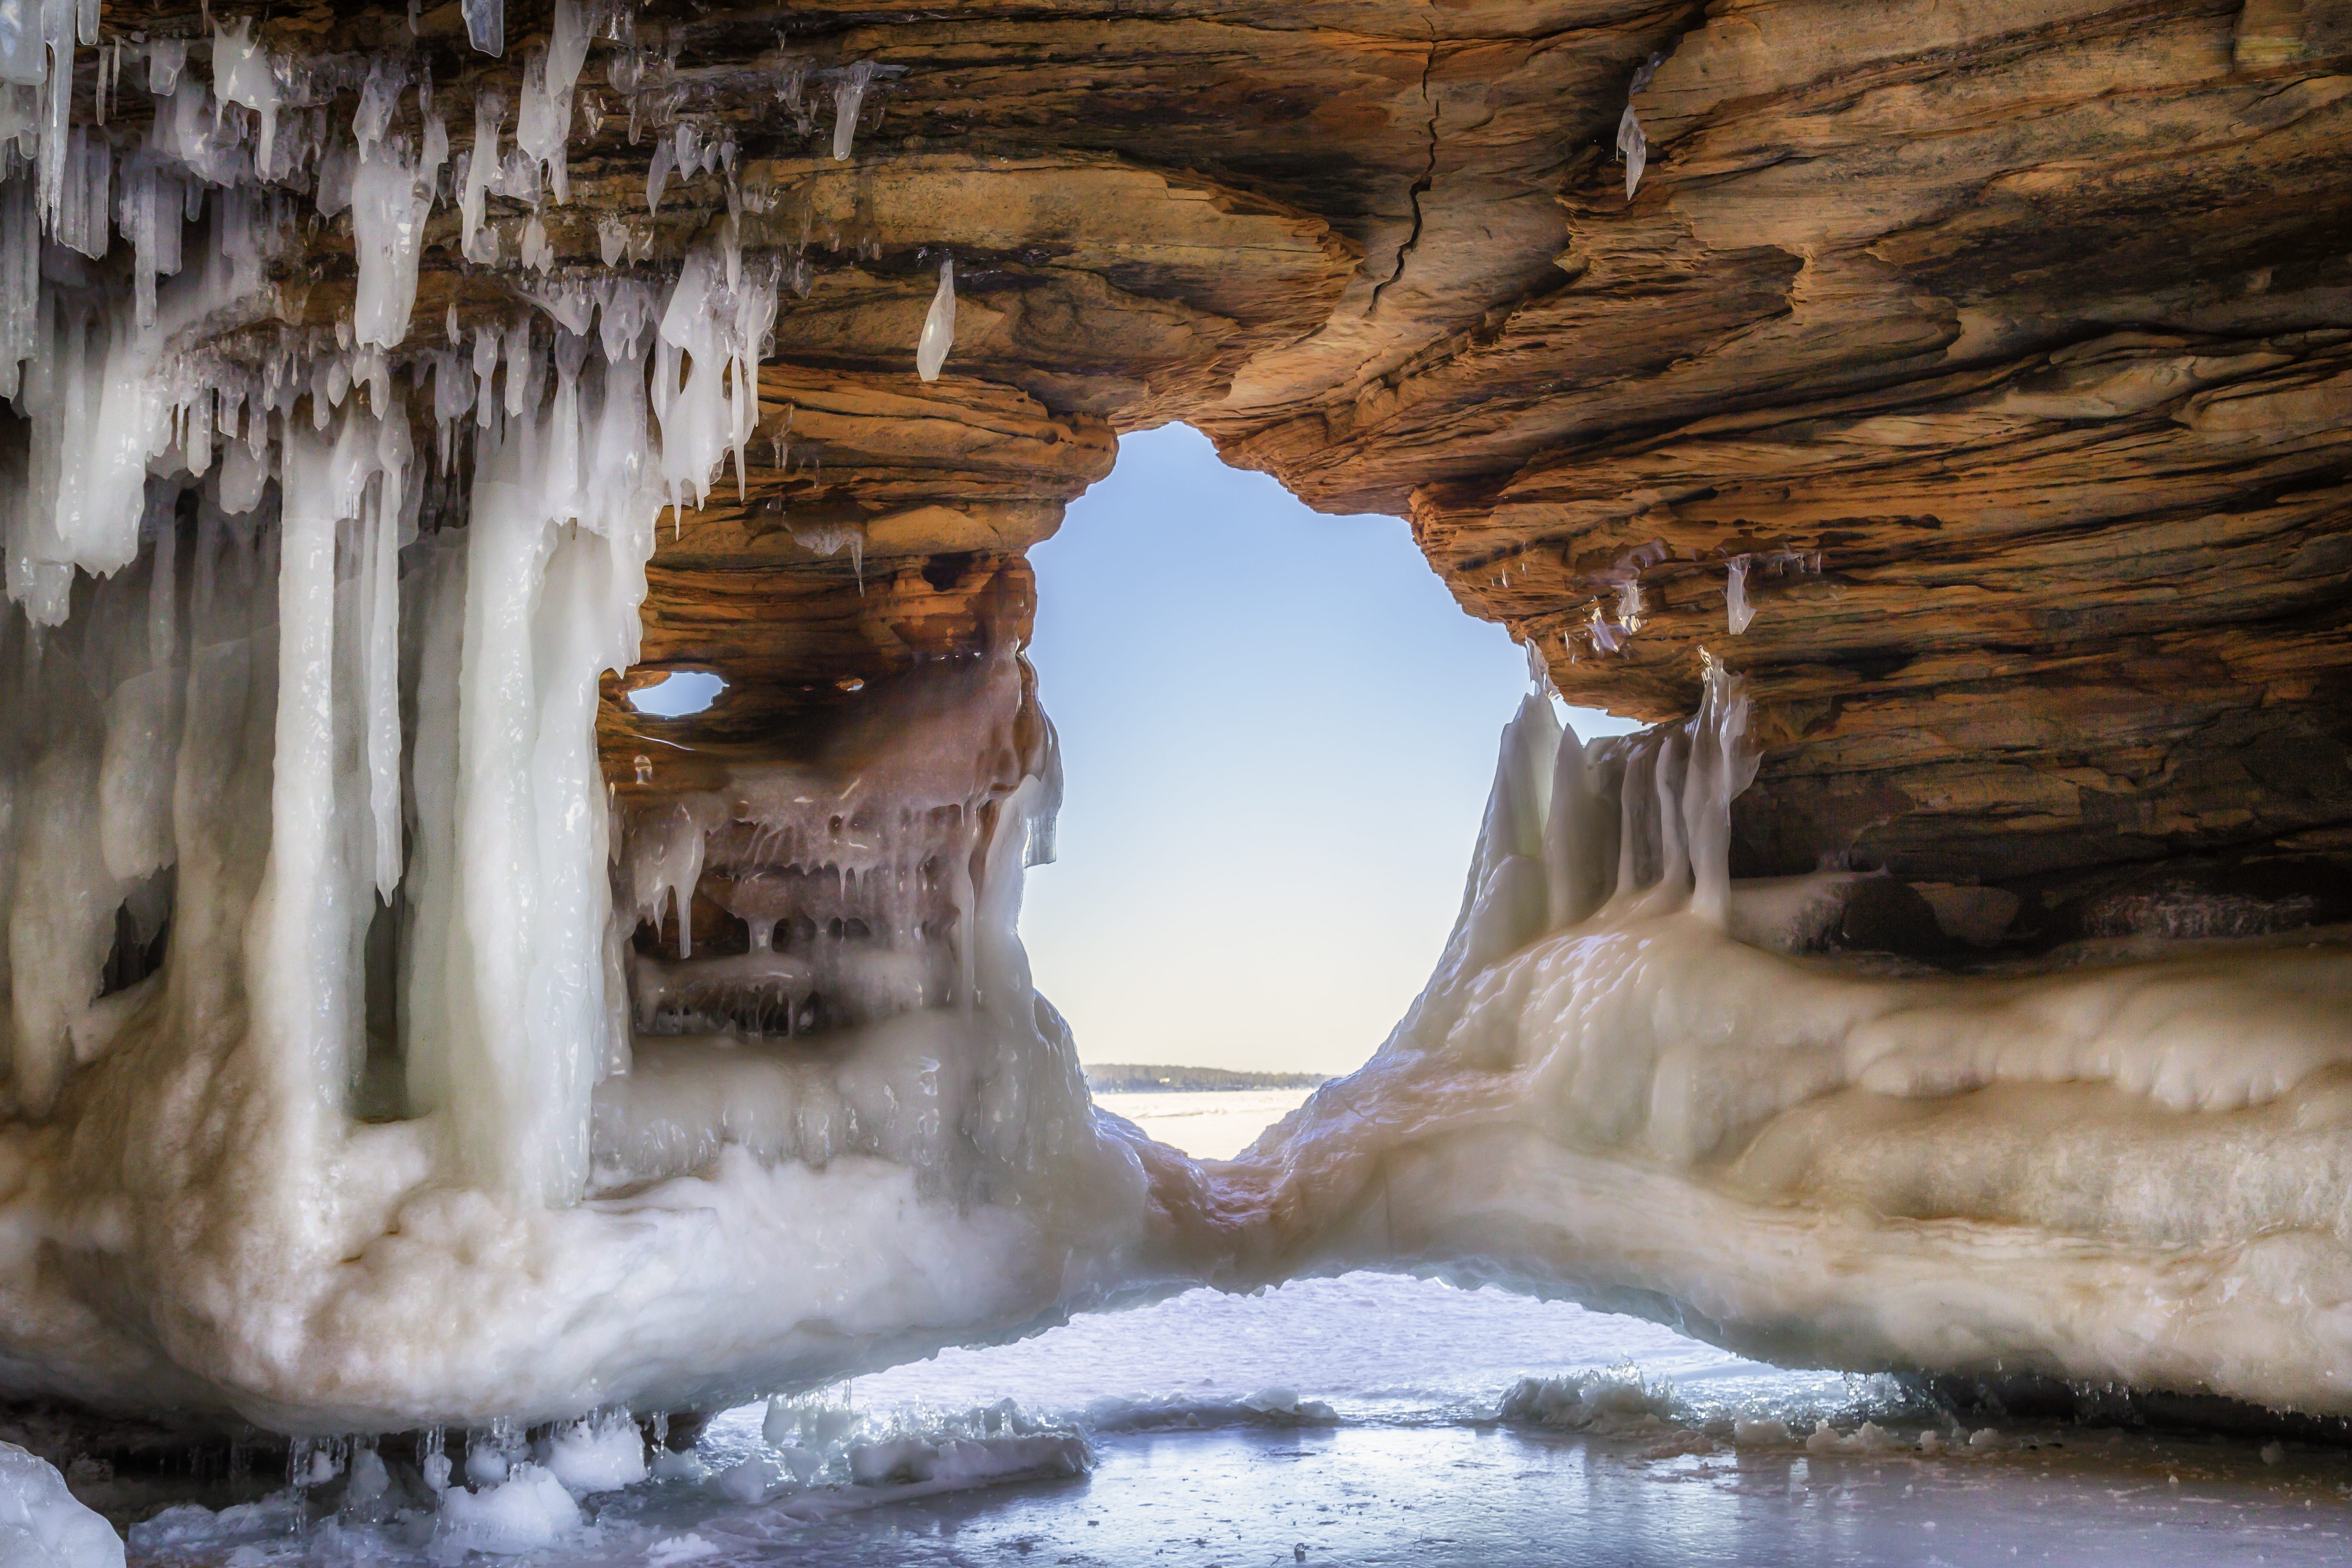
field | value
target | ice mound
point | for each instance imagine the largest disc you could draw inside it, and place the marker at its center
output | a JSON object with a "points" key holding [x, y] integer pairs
{"points": [[1604, 1402], [528, 1511], [600, 1455], [43, 1525]]}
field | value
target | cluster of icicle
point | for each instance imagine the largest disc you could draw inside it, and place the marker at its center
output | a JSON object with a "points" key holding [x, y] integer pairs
{"points": [[1608, 833], [1607, 629], [182, 528], [1739, 610], [852, 879], [315, 990], [107, 377]]}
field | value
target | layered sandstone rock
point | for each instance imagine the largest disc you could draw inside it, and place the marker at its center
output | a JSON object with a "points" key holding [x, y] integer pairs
{"points": [[2005, 351]]}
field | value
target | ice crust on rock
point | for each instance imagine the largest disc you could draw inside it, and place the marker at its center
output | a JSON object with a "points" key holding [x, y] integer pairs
{"points": [[355, 1029]]}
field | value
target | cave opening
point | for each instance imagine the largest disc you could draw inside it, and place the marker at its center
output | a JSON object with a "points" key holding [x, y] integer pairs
{"points": [[524, 741]]}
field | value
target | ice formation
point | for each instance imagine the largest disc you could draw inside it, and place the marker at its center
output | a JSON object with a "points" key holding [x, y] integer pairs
{"points": [[43, 1525], [324, 1036], [373, 1065], [848, 101], [1634, 146], [2126, 1172], [939, 326]]}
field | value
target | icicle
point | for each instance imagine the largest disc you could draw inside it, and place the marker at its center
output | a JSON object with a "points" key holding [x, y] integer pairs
{"points": [[1633, 147], [544, 126], [1738, 610], [378, 98], [848, 99], [485, 26], [485, 365], [658, 174], [166, 58], [379, 608], [1631, 144], [939, 326], [481, 168], [387, 233], [1629, 605], [520, 366], [138, 221], [242, 74]]}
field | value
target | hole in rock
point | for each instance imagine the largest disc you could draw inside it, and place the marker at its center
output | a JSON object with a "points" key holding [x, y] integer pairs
{"points": [[677, 694], [1278, 730]]}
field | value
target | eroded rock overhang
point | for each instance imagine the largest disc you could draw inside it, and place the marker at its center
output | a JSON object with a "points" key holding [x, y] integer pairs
{"points": [[1989, 371]]}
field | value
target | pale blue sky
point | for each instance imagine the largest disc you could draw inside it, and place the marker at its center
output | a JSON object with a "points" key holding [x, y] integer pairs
{"points": [[1278, 730]]}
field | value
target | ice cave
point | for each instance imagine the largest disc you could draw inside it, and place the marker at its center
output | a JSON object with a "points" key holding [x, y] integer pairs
{"points": [[518, 752]]}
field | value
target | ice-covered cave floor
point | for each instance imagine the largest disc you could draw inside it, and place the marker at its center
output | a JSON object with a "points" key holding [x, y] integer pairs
{"points": [[1414, 1468], [1675, 1460]]}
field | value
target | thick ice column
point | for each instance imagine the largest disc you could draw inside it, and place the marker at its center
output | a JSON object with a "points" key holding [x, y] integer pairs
{"points": [[308, 918], [548, 606], [508, 1131], [61, 919], [379, 640]]}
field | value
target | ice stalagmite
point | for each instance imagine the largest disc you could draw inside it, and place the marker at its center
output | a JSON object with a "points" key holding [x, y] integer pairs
{"points": [[939, 326]]}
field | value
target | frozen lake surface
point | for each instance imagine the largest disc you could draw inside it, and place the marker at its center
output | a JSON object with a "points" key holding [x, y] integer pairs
{"points": [[1358, 1420], [1211, 1125]]}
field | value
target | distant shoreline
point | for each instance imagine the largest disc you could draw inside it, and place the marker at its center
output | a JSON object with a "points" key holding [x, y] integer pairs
{"points": [[1145, 1078]]}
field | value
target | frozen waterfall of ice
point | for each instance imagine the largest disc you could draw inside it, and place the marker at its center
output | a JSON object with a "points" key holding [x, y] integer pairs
{"points": [[373, 1064]]}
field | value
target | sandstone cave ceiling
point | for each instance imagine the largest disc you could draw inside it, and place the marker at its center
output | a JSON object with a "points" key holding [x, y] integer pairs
{"points": [[2005, 349]]}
